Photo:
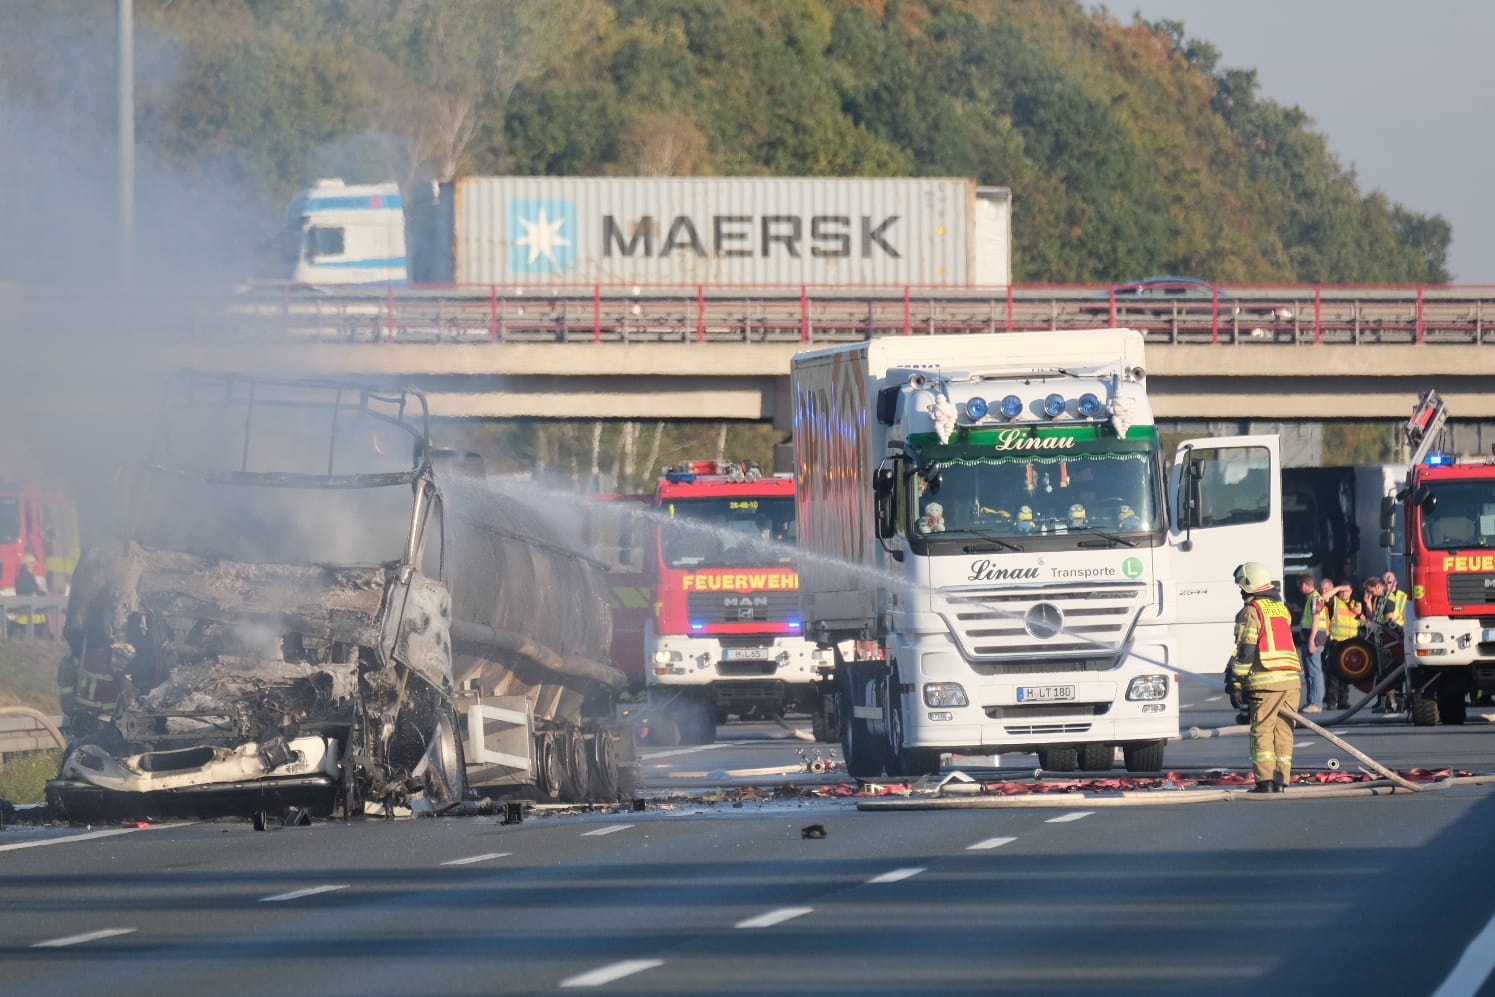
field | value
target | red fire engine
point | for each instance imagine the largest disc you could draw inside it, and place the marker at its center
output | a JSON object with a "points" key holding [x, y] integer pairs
{"points": [[1449, 510], [725, 636], [41, 522]]}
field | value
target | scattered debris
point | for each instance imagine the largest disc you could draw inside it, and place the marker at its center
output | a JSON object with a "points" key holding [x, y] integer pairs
{"points": [[813, 831]]}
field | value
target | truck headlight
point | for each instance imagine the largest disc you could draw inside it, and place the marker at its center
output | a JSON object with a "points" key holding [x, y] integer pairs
{"points": [[1148, 687], [945, 694], [664, 657], [1424, 637]]}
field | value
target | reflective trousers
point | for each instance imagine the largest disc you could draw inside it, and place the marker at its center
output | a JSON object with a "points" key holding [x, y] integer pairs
{"points": [[1272, 732]]}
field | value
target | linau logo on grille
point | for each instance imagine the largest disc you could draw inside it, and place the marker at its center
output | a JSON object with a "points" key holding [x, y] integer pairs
{"points": [[1043, 621]]}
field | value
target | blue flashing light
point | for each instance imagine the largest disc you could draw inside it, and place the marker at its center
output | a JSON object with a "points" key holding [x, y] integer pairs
{"points": [[1053, 406], [796, 626], [976, 408], [697, 626], [1089, 405], [1012, 406], [1439, 459], [679, 477]]}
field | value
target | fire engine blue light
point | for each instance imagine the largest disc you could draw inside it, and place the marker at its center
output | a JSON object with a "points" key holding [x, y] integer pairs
{"points": [[698, 626], [976, 408], [1053, 406], [1012, 406], [1089, 405], [679, 477], [1438, 459], [796, 626]]}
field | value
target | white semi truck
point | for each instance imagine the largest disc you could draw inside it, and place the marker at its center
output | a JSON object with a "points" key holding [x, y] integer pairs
{"points": [[990, 521]]}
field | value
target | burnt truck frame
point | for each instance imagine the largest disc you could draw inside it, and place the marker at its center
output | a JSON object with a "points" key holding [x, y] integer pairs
{"points": [[298, 619]]}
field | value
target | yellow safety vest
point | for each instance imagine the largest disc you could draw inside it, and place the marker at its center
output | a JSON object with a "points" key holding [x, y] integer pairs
{"points": [[1344, 621], [1312, 608], [1395, 608]]}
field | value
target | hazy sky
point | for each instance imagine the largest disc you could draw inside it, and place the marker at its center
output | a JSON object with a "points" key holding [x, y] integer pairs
{"points": [[1399, 89]]}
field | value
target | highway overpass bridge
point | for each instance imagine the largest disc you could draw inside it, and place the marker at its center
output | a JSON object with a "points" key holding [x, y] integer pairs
{"points": [[1262, 353]]}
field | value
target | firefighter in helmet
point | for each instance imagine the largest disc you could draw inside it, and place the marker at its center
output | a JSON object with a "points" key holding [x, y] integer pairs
{"points": [[1267, 670]]}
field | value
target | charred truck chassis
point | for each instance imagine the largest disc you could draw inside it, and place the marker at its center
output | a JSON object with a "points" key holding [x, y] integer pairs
{"points": [[266, 659]]}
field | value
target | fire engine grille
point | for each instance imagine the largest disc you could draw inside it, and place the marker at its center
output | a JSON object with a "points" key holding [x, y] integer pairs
{"points": [[1089, 625], [743, 607], [1471, 589]]}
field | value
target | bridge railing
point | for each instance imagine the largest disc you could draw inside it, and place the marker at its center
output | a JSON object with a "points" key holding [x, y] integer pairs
{"points": [[598, 313]]}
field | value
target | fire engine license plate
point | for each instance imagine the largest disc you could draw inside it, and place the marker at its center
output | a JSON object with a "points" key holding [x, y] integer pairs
{"points": [[1045, 693], [745, 653]]}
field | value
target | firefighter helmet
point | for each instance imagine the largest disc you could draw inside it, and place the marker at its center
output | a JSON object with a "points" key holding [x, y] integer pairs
{"points": [[1253, 576]]}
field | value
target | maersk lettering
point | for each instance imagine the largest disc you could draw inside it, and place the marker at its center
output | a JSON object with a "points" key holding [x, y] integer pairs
{"points": [[984, 571], [744, 235]]}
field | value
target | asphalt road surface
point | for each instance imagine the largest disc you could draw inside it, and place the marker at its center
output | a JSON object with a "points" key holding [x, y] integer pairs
{"points": [[714, 890]]}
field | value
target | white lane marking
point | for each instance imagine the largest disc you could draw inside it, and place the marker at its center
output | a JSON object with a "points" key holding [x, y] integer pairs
{"points": [[92, 936], [989, 843], [687, 751], [773, 917], [1213, 699], [310, 891], [1303, 744], [477, 858], [1066, 818], [896, 874], [605, 830], [71, 837], [614, 971], [1469, 974]]}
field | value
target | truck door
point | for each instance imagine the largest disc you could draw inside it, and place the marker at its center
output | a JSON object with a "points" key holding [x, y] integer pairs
{"points": [[1225, 507]]}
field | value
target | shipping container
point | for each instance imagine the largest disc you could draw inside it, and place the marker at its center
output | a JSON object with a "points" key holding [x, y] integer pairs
{"points": [[650, 231]]}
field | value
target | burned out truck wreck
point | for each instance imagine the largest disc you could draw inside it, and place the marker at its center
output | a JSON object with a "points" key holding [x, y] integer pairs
{"points": [[315, 608]]}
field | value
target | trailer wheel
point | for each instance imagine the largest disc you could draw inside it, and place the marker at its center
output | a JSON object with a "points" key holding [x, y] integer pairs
{"points": [[604, 768], [1144, 757], [1096, 757], [1059, 759], [574, 767], [1424, 710], [548, 766]]}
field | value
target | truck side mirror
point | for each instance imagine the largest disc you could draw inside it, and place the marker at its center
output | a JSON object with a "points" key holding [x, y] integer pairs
{"points": [[884, 487], [1388, 538], [1388, 513]]}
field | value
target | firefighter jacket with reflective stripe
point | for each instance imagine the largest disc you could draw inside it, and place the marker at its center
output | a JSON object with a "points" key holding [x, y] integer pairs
{"points": [[96, 683], [1394, 607], [1344, 618], [1265, 654]]}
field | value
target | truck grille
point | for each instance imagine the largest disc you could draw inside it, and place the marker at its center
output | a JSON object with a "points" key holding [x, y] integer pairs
{"points": [[1087, 625], [1471, 589], [743, 607]]}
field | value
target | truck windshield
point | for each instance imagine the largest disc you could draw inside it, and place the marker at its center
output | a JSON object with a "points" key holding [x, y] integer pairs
{"points": [[725, 530], [1461, 514], [1109, 492]]}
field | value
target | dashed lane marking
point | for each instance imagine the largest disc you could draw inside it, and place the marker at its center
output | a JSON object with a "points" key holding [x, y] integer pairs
{"points": [[78, 837], [613, 971], [90, 936], [1213, 699], [896, 874], [1303, 744], [477, 858], [989, 843], [773, 917], [1066, 818], [310, 891], [605, 830]]}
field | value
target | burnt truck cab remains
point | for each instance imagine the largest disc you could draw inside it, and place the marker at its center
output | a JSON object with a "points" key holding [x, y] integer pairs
{"points": [[280, 631]]}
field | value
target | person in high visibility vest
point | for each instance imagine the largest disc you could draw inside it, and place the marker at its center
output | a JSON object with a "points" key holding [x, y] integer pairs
{"points": [[1266, 666], [1395, 605], [1344, 623], [1311, 633]]}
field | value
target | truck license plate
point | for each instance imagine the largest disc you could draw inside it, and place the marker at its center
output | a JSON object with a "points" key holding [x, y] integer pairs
{"points": [[745, 653], [1045, 693]]}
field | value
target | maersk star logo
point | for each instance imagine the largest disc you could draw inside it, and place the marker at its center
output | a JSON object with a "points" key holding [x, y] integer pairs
{"points": [[542, 235]]}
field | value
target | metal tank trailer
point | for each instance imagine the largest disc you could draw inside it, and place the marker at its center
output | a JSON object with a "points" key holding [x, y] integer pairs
{"points": [[315, 608]]}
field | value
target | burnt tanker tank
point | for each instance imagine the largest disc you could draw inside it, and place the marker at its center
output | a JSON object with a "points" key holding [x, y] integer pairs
{"points": [[316, 608]]}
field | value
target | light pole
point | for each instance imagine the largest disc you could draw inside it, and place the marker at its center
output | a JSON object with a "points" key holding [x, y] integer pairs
{"points": [[126, 91]]}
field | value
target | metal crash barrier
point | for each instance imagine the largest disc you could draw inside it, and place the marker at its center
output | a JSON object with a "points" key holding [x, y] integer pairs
{"points": [[37, 617]]}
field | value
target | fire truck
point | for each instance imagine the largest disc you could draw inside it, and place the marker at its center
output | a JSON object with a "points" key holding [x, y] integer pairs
{"points": [[1448, 505], [40, 521], [726, 637]]}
